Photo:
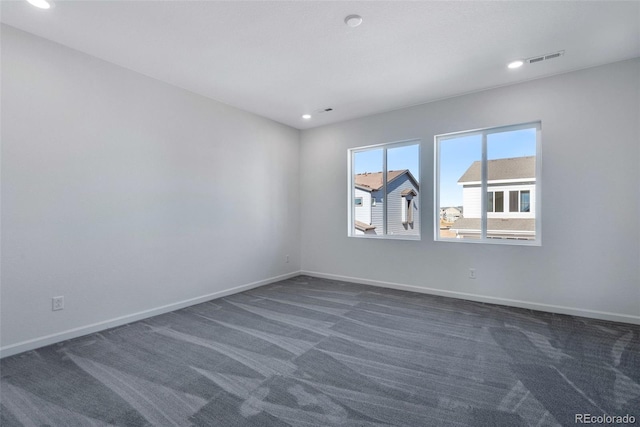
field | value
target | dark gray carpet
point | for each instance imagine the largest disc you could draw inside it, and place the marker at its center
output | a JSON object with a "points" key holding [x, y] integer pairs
{"points": [[314, 352]]}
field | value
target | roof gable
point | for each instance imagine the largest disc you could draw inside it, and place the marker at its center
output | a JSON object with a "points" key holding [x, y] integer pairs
{"points": [[512, 168], [373, 181]]}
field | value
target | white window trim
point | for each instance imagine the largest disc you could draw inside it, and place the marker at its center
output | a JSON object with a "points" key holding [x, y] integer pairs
{"points": [[484, 188], [351, 190]]}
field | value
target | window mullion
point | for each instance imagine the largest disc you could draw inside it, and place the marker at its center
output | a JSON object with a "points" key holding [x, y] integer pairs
{"points": [[385, 200], [483, 189]]}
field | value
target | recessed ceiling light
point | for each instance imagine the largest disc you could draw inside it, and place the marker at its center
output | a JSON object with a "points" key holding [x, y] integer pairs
{"points": [[41, 4], [516, 64], [306, 116], [353, 20]]}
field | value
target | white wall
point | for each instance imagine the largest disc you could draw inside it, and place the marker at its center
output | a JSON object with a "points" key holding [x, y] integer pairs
{"points": [[125, 194], [588, 261]]}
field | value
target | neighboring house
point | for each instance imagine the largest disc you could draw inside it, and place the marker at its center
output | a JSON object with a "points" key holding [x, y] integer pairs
{"points": [[450, 214], [511, 186], [402, 213]]}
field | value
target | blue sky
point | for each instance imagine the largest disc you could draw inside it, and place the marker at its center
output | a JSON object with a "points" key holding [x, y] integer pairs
{"points": [[456, 155], [406, 157]]}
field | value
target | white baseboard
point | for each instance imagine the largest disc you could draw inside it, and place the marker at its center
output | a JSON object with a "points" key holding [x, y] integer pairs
{"points": [[32, 344], [573, 311], [123, 320]]}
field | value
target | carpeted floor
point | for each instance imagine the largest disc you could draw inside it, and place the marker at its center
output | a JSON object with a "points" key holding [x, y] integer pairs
{"points": [[315, 352]]}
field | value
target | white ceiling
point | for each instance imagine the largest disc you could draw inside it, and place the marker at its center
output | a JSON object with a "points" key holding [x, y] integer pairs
{"points": [[281, 59]]}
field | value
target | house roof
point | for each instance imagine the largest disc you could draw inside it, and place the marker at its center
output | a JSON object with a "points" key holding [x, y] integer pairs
{"points": [[512, 168], [408, 191], [496, 224], [373, 181], [451, 209], [364, 227]]}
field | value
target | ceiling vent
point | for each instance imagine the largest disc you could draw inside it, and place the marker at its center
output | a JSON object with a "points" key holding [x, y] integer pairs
{"points": [[546, 57]]}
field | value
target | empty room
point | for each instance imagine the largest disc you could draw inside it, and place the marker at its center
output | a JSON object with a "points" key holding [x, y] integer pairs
{"points": [[319, 213]]}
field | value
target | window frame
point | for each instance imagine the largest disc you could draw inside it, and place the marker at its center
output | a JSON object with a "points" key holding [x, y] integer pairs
{"points": [[484, 133], [351, 189]]}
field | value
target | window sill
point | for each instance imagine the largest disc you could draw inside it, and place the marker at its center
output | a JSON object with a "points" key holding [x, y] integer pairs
{"points": [[503, 242], [387, 237]]}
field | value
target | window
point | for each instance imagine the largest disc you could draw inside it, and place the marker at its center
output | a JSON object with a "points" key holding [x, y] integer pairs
{"points": [[384, 189], [407, 210], [492, 177], [495, 201], [519, 201]]}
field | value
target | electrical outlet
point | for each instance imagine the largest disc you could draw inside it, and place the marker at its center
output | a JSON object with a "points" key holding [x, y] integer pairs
{"points": [[472, 273], [286, 258], [57, 303]]}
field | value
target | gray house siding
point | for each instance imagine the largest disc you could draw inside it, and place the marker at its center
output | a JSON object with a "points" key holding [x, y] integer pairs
{"points": [[394, 213], [376, 211], [394, 210]]}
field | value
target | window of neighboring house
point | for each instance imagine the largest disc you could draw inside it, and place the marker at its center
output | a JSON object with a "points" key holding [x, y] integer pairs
{"points": [[519, 201], [493, 176], [407, 210], [495, 201], [381, 173]]}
